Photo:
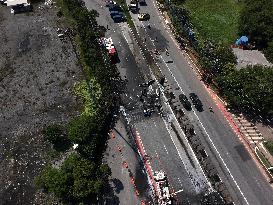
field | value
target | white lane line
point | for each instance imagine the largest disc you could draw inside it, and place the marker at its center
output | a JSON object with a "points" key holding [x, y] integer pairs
{"points": [[125, 37], [165, 149], [156, 154], [181, 158], [178, 191], [232, 177], [180, 182]]}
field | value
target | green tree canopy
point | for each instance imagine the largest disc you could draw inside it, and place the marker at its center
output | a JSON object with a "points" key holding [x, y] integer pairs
{"points": [[78, 179], [249, 88], [256, 21], [83, 129]]}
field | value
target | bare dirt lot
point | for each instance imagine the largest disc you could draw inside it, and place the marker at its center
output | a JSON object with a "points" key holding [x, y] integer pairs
{"points": [[37, 74]]}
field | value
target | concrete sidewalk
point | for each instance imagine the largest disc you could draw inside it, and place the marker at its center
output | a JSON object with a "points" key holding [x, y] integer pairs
{"points": [[256, 134]]}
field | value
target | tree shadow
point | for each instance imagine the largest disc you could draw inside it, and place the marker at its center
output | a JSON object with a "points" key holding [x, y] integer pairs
{"points": [[62, 145], [160, 41], [117, 185], [109, 196]]}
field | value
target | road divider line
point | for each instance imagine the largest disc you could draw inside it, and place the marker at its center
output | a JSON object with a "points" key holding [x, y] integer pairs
{"points": [[165, 149]]}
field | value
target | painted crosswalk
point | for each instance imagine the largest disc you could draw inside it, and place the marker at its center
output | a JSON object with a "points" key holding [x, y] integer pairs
{"points": [[248, 129]]}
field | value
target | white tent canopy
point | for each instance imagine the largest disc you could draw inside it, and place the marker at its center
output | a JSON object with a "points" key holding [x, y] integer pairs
{"points": [[16, 2]]}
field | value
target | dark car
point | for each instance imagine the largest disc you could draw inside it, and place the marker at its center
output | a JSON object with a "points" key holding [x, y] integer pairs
{"points": [[21, 8], [196, 102], [185, 102]]}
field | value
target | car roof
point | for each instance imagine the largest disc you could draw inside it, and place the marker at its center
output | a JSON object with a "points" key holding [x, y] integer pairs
{"points": [[193, 94], [182, 96]]}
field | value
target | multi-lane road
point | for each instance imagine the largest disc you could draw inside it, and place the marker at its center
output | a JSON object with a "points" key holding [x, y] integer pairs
{"points": [[160, 141]]}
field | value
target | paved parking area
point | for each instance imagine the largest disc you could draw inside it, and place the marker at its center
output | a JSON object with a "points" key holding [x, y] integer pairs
{"points": [[250, 57]]}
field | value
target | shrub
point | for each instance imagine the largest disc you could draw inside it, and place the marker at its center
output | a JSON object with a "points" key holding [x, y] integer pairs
{"points": [[77, 179], [269, 52], [269, 146], [56, 135], [250, 89], [81, 129], [256, 21]]}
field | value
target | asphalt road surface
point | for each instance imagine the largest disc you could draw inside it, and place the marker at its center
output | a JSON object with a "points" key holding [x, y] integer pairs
{"points": [[235, 166]]}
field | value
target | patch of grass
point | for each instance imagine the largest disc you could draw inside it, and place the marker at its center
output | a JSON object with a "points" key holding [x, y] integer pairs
{"points": [[215, 20], [269, 146], [263, 159], [89, 94]]}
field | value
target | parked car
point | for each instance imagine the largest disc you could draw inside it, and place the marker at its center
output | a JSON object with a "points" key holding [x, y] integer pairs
{"points": [[196, 102], [21, 8], [143, 16], [133, 6], [185, 102], [142, 2], [118, 18], [116, 13]]}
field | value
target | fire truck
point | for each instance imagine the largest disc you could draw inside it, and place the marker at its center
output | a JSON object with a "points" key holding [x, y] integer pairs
{"points": [[162, 188], [110, 47]]}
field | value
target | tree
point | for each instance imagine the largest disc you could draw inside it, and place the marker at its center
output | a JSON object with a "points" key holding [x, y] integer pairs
{"points": [[54, 181], [269, 52], [256, 21], [82, 129], [53, 133], [77, 180], [249, 88], [56, 135]]}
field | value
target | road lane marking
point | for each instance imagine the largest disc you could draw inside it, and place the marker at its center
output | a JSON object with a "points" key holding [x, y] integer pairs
{"points": [[165, 149], [181, 190], [179, 154], [125, 37], [180, 182]]}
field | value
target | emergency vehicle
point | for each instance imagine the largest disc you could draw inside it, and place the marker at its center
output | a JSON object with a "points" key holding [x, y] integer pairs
{"points": [[162, 188]]}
